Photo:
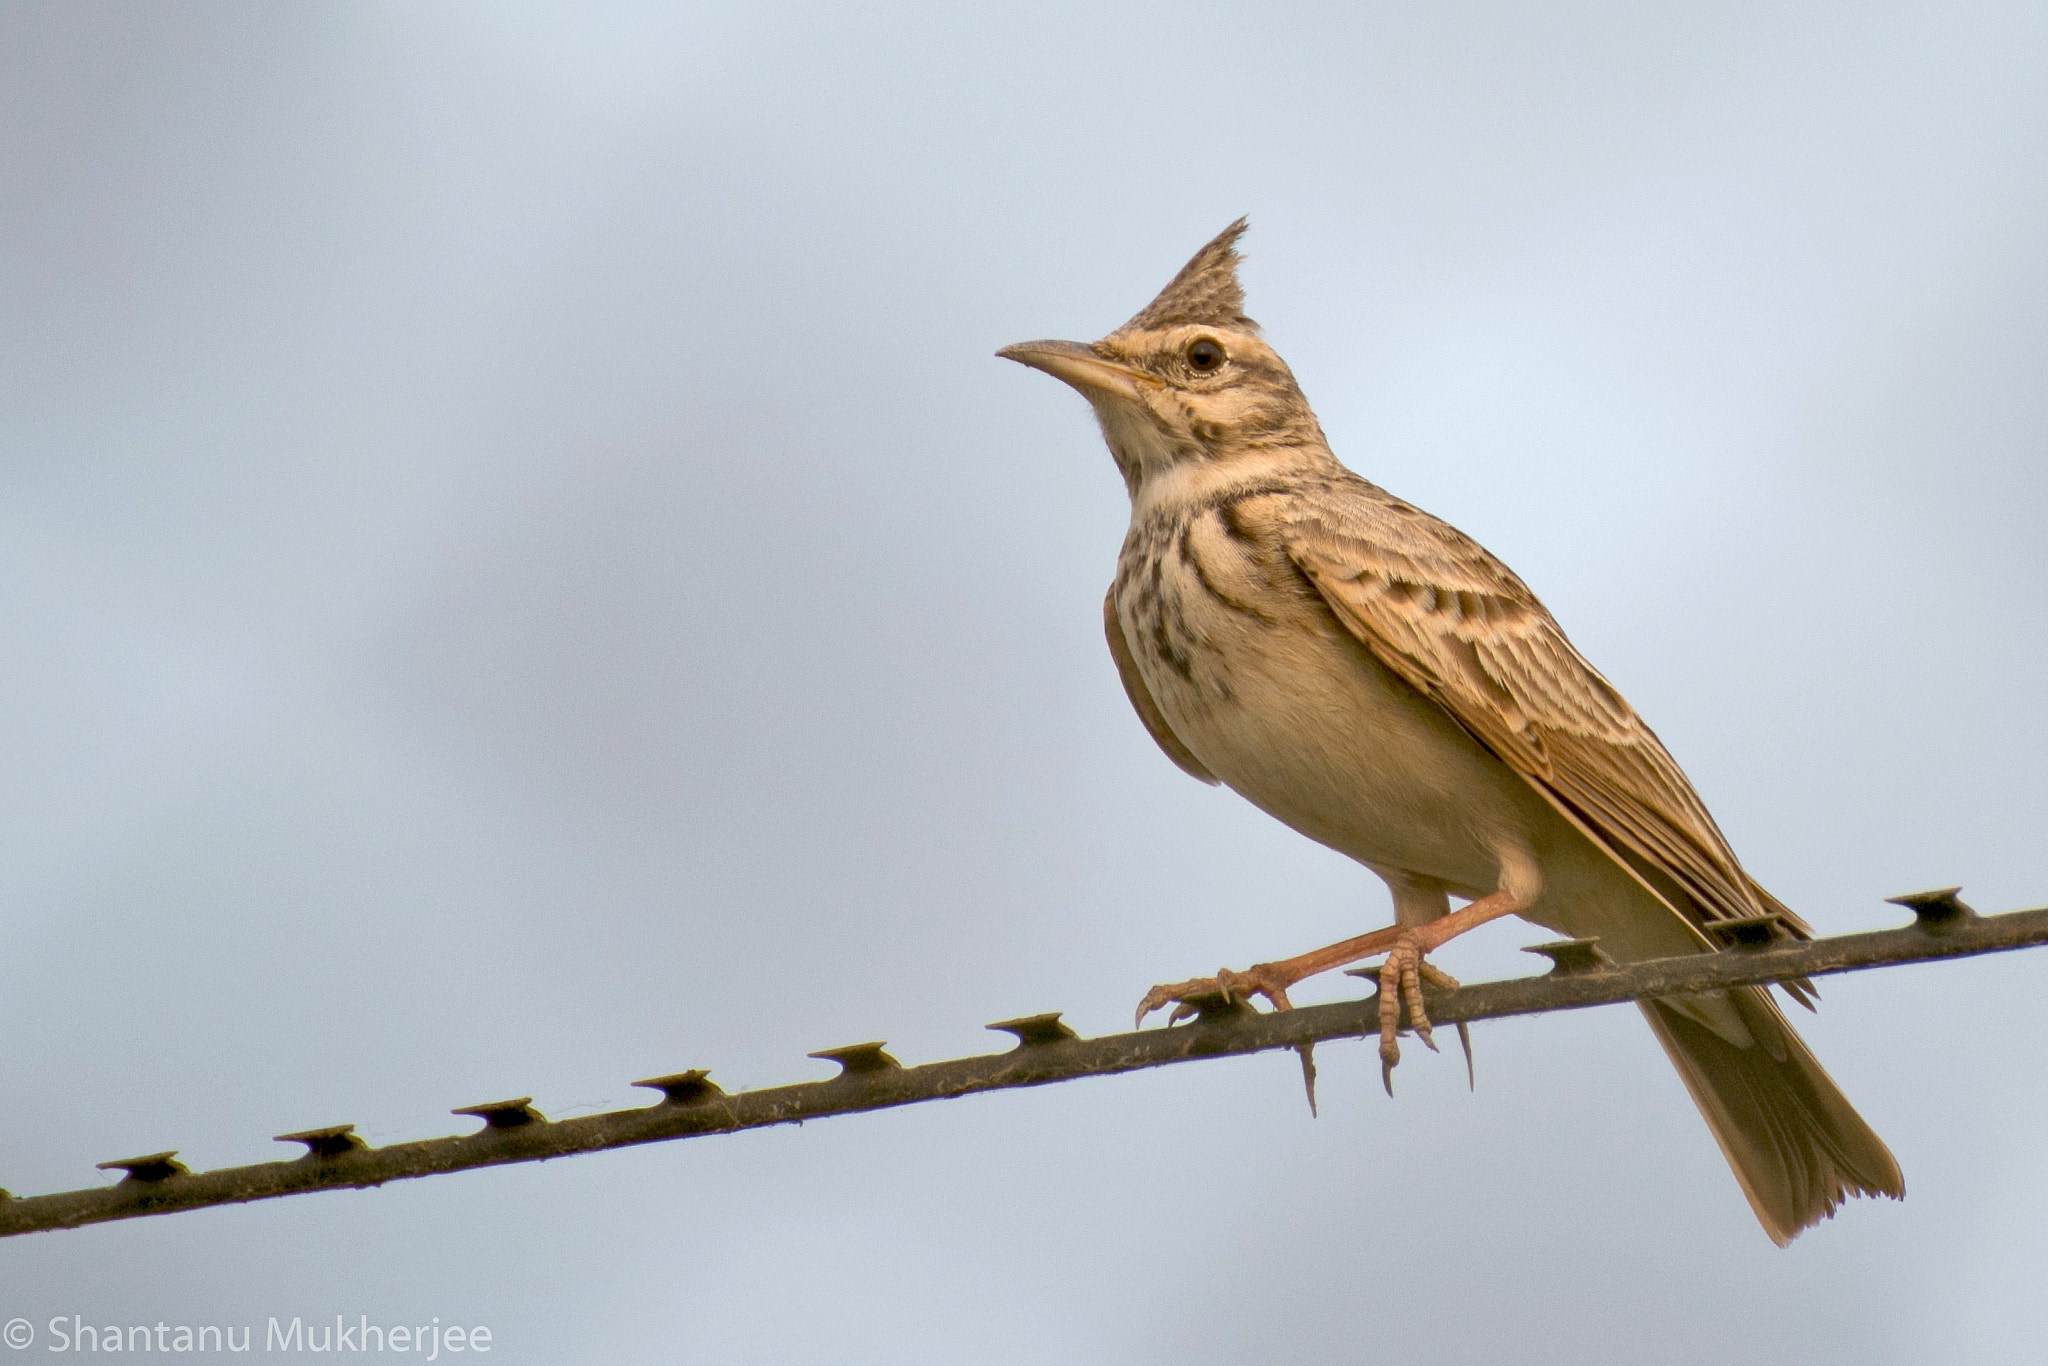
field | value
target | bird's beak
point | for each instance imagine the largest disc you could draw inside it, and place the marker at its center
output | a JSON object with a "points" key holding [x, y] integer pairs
{"points": [[1079, 366]]}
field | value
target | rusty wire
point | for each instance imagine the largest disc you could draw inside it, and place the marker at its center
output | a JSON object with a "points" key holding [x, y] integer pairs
{"points": [[1046, 1051]]}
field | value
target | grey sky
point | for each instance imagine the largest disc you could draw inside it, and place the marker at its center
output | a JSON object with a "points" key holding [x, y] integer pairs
{"points": [[519, 570]]}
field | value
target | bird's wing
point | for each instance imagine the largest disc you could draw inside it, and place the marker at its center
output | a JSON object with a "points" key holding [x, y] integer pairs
{"points": [[1437, 609], [1141, 700]]}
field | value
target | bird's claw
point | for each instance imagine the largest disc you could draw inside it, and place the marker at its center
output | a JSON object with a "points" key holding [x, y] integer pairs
{"points": [[1176, 994], [1229, 987], [1401, 978]]}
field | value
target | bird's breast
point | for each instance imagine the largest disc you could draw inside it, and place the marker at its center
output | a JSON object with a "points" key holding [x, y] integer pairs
{"points": [[1261, 683]]}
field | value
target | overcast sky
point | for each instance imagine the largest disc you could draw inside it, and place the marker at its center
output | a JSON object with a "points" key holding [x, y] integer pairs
{"points": [[520, 570]]}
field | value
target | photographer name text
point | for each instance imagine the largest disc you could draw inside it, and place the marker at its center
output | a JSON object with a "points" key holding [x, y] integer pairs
{"points": [[75, 1333]]}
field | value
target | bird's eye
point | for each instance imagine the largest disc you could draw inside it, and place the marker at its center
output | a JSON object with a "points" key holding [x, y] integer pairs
{"points": [[1205, 356]]}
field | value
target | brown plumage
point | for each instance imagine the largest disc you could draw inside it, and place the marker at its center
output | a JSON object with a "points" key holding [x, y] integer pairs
{"points": [[1374, 678]]}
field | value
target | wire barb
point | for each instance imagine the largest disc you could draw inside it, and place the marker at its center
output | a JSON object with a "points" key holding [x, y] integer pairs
{"points": [[1036, 1031], [1571, 956], [505, 1114], [148, 1169], [333, 1141], [685, 1088], [859, 1059], [1937, 911]]}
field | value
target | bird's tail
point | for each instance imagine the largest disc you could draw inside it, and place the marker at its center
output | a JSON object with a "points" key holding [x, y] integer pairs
{"points": [[1798, 1148]]}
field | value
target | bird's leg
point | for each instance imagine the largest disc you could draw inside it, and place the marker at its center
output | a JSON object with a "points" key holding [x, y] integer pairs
{"points": [[1269, 980], [1400, 976], [1404, 972]]}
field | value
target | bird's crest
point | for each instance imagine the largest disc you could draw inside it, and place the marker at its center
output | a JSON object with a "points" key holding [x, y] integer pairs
{"points": [[1205, 292]]}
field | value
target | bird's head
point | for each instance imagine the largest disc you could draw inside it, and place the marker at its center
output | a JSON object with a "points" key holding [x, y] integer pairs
{"points": [[1188, 380]]}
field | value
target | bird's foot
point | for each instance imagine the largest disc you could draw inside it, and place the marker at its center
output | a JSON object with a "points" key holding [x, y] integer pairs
{"points": [[1233, 988], [1401, 978], [1228, 985]]}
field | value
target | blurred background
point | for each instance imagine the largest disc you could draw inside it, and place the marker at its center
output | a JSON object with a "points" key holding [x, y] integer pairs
{"points": [[519, 570]]}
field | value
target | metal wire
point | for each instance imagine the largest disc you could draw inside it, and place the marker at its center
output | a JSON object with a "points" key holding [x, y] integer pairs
{"points": [[1047, 1051]]}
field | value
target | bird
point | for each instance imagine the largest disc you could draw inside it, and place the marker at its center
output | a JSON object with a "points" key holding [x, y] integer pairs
{"points": [[1374, 678]]}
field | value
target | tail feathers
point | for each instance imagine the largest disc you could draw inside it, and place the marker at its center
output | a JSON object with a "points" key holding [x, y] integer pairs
{"points": [[1797, 1147]]}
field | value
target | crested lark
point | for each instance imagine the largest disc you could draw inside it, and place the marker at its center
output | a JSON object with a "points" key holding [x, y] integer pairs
{"points": [[1375, 679]]}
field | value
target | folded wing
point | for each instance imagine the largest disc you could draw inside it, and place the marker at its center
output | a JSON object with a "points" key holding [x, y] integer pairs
{"points": [[1437, 609]]}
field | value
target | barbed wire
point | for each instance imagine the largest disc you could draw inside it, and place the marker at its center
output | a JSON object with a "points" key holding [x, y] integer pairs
{"points": [[1047, 1051]]}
